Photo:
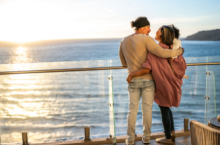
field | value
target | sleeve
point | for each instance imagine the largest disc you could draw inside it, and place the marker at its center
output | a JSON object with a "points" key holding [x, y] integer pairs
{"points": [[155, 49], [179, 65], [121, 56]]}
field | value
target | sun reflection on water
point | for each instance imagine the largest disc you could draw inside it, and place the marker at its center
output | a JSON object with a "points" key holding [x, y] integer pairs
{"points": [[17, 111], [44, 104], [21, 55], [19, 90]]}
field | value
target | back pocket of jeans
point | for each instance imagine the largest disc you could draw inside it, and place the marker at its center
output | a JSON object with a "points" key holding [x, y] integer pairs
{"points": [[149, 84], [131, 87]]}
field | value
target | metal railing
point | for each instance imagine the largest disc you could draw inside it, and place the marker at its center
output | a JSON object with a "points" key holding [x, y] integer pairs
{"points": [[86, 69], [24, 134]]}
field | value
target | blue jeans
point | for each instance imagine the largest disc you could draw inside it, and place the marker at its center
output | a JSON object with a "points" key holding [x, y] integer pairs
{"points": [[140, 88]]}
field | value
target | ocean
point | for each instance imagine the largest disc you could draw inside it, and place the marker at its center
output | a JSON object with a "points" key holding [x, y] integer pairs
{"points": [[57, 106]]}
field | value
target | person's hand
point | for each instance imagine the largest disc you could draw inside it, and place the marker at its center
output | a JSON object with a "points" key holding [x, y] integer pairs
{"points": [[170, 60], [185, 77], [129, 78]]}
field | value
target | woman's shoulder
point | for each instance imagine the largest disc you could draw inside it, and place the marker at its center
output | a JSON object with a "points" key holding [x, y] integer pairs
{"points": [[176, 41]]}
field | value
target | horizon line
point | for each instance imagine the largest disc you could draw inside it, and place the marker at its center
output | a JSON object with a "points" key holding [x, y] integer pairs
{"points": [[6, 41]]}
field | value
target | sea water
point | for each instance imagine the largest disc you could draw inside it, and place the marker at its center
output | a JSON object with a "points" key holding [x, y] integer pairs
{"points": [[57, 106]]}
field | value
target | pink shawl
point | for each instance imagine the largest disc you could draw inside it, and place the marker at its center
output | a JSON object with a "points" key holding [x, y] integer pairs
{"points": [[168, 86]]}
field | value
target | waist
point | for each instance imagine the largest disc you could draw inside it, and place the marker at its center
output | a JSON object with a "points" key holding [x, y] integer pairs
{"points": [[145, 76]]}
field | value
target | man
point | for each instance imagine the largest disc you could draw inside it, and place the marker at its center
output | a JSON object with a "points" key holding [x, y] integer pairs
{"points": [[133, 53]]}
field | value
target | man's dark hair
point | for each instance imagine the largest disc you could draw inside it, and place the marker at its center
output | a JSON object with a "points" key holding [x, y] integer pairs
{"points": [[140, 22]]}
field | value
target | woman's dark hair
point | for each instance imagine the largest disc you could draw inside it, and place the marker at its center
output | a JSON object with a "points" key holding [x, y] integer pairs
{"points": [[167, 35], [176, 31], [140, 22]]}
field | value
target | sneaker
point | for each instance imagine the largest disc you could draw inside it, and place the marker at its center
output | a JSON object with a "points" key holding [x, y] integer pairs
{"points": [[173, 136], [146, 141], [129, 142], [164, 140]]}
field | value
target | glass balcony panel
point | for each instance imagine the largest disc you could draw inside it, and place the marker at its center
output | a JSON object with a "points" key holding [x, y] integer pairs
{"points": [[213, 83], [202, 59], [196, 59], [192, 104], [210, 102], [120, 100], [54, 106], [57, 106], [214, 59], [111, 110]]}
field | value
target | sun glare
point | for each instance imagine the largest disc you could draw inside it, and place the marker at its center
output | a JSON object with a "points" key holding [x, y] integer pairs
{"points": [[24, 21], [35, 20]]}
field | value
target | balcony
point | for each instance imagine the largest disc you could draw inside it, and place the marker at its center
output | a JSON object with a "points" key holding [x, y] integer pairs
{"points": [[54, 102]]}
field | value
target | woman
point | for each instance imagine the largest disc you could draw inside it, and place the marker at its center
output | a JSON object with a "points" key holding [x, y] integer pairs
{"points": [[132, 53], [167, 74]]}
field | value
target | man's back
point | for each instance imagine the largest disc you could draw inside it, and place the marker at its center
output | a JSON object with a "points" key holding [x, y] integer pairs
{"points": [[133, 53]]}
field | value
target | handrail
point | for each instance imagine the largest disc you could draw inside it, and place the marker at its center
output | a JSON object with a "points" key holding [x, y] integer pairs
{"points": [[86, 69], [60, 70]]}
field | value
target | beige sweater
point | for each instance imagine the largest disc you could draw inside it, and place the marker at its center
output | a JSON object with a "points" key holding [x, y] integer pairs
{"points": [[133, 52]]}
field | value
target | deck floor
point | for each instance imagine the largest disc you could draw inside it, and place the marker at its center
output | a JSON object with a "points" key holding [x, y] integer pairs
{"points": [[184, 140]]}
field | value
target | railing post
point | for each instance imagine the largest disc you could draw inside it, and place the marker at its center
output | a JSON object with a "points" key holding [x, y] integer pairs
{"points": [[186, 122], [24, 138], [111, 110], [87, 134]]}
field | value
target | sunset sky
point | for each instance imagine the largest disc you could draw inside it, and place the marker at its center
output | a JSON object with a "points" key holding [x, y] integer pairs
{"points": [[31, 20]]}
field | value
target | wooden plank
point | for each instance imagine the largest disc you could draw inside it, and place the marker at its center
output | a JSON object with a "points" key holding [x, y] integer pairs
{"points": [[119, 139]]}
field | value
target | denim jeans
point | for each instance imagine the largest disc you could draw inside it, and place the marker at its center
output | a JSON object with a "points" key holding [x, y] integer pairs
{"points": [[167, 119], [137, 88]]}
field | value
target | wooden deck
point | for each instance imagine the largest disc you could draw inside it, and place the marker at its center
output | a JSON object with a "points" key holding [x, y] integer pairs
{"points": [[184, 140]]}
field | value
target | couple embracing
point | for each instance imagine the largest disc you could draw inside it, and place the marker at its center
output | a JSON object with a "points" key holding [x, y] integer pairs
{"points": [[155, 74]]}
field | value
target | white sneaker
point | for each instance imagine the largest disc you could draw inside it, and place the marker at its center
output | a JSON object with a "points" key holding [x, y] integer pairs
{"points": [[146, 141], [129, 142], [164, 140]]}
